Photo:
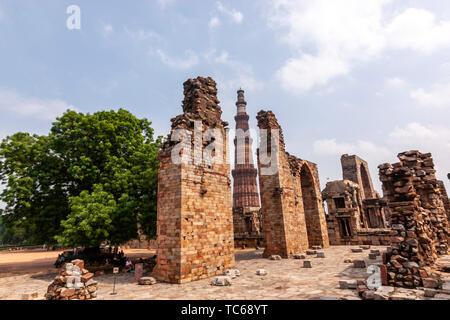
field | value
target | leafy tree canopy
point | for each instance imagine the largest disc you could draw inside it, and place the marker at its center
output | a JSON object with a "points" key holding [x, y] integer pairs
{"points": [[49, 178]]}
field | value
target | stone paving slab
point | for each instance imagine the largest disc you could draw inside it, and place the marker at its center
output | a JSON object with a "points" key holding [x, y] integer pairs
{"points": [[285, 279]]}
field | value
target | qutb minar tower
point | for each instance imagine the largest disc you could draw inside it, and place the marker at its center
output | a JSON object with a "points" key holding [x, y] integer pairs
{"points": [[246, 208]]}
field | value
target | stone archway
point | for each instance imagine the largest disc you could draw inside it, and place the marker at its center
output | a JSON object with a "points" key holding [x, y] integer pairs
{"points": [[310, 206]]}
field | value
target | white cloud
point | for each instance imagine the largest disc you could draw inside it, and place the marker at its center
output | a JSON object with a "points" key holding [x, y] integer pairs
{"points": [[308, 71], [333, 36], [235, 15], [395, 82], [141, 34], [437, 96], [362, 148], [188, 62], [46, 109], [417, 29], [242, 73], [413, 136], [164, 3], [107, 30], [425, 138], [214, 22]]}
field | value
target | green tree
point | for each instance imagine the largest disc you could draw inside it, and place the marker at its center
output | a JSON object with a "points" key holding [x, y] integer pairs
{"points": [[111, 150], [89, 222]]}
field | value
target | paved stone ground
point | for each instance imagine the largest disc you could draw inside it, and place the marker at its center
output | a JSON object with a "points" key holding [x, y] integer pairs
{"points": [[285, 279]]}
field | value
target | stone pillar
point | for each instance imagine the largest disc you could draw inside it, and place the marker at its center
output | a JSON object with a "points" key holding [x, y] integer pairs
{"points": [[291, 201], [357, 170], [195, 223], [419, 226]]}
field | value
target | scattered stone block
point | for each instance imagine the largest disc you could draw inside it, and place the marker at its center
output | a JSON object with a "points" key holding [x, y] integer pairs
{"points": [[320, 254], [147, 281], [442, 296], [365, 247], [299, 256], [261, 272], [316, 247], [348, 260], [375, 251], [368, 295], [359, 264], [222, 281], [86, 277], [372, 256], [347, 284], [430, 283], [307, 264], [400, 296], [275, 257], [232, 273], [357, 250], [311, 252], [430, 293]]}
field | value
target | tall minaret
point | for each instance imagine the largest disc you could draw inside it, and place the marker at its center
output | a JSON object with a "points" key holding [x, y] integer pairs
{"points": [[245, 190]]}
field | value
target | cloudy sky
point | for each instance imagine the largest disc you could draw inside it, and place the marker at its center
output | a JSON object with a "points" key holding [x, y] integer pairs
{"points": [[369, 77]]}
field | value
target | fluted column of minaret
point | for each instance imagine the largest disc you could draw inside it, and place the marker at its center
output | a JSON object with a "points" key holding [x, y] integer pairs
{"points": [[245, 191]]}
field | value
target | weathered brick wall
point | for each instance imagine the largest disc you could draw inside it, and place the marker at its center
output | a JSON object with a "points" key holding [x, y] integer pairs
{"points": [[357, 219], [445, 199], [419, 224], [247, 224], [357, 170], [195, 224], [286, 224]]}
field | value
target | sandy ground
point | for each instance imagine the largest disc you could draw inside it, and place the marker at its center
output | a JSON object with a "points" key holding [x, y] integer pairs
{"points": [[40, 262]]}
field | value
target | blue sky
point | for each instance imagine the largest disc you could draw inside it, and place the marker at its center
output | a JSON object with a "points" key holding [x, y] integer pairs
{"points": [[345, 76]]}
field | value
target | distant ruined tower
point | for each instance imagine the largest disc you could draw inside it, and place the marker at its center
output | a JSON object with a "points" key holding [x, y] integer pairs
{"points": [[246, 208]]}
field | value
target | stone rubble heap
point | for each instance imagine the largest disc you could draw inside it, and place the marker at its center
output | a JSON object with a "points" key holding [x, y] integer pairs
{"points": [[418, 218], [74, 282]]}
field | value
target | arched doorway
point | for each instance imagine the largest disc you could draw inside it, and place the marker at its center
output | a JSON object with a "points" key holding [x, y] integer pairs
{"points": [[310, 206], [367, 189]]}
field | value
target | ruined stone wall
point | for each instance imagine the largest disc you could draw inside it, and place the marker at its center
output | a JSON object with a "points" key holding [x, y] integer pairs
{"points": [[293, 215], [195, 224], [357, 170], [419, 224], [445, 199], [248, 229]]}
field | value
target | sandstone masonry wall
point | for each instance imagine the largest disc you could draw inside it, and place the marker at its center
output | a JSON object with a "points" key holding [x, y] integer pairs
{"points": [[445, 199], [195, 223], [419, 223], [291, 201]]}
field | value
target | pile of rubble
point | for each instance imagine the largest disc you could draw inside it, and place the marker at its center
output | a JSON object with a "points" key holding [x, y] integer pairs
{"points": [[419, 222], [74, 282]]}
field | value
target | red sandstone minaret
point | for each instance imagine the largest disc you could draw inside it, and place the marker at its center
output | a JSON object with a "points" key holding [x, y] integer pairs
{"points": [[245, 190]]}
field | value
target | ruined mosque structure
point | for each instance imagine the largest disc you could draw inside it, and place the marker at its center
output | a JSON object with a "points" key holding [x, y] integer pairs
{"points": [[292, 209], [445, 199], [357, 215], [420, 229], [247, 218], [199, 220], [195, 237]]}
